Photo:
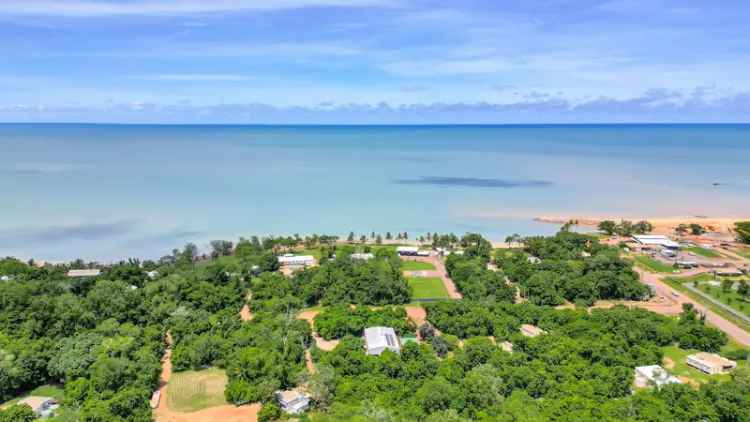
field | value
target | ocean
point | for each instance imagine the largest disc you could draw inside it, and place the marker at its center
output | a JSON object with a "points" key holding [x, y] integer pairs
{"points": [[106, 192]]}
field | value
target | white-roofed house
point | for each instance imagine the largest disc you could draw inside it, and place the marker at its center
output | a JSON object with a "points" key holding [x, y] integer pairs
{"points": [[293, 401], [359, 256], [84, 273], [380, 339], [653, 375], [655, 240], [290, 260], [710, 363]]}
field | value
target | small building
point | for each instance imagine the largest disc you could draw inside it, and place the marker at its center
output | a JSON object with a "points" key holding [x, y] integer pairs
{"points": [[293, 401], [423, 253], [155, 397], [686, 264], [710, 363], [152, 274], [380, 339], [361, 256], [6, 278], [533, 260], [290, 260], [84, 273], [656, 240], [506, 346], [43, 407], [529, 330], [729, 272], [407, 250], [653, 375]]}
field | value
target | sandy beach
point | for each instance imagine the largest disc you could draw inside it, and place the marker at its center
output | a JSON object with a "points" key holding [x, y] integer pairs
{"points": [[662, 225]]}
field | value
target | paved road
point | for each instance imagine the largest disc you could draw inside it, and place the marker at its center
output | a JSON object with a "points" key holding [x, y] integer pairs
{"points": [[738, 334], [692, 288], [439, 272]]}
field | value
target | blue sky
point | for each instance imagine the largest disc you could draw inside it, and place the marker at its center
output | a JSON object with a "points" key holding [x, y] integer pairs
{"points": [[374, 61]]}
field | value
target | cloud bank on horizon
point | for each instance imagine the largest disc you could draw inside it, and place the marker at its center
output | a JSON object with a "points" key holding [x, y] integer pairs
{"points": [[374, 61]]}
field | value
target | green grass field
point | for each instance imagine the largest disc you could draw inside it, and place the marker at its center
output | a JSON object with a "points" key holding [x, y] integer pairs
{"points": [[428, 288], [652, 265], [707, 253], [678, 284], [416, 266], [190, 391], [53, 391], [681, 369]]}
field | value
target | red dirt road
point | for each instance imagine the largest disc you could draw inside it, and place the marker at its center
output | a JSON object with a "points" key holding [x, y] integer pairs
{"points": [[439, 272]]}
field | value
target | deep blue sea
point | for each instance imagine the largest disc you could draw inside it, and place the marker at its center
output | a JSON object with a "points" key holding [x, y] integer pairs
{"points": [[112, 191]]}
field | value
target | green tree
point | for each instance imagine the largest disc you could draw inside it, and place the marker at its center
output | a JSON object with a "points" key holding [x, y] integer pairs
{"points": [[742, 229]]}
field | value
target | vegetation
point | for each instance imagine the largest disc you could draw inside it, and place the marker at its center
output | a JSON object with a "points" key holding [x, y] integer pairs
{"points": [[570, 266], [652, 265], [678, 283], [625, 227], [427, 288], [101, 338], [417, 266], [742, 229], [340, 321], [708, 253]]}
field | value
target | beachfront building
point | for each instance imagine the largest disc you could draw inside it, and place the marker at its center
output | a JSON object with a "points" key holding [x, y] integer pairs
{"points": [[655, 240], [407, 250], [361, 256], [293, 401], [710, 363], [380, 339], [43, 407], [297, 261], [529, 330], [84, 273], [653, 375]]}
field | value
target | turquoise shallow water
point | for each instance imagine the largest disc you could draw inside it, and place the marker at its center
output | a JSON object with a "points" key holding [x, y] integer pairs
{"points": [[110, 191]]}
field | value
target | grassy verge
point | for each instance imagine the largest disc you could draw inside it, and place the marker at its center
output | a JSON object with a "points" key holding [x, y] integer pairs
{"points": [[681, 368], [652, 265], [190, 391], [53, 391], [744, 252], [708, 253], [428, 288], [416, 266], [677, 284]]}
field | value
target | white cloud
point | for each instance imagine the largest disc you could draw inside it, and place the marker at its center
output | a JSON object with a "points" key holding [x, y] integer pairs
{"points": [[92, 8]]}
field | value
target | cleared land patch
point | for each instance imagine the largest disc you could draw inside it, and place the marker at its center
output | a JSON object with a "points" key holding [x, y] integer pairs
{"points": [[190, 391], [417, 266], [652, 265], [428, 288], [707, 253]]}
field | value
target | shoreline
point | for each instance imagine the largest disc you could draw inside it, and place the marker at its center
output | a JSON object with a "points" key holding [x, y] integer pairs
{"points": [[662, 225]]}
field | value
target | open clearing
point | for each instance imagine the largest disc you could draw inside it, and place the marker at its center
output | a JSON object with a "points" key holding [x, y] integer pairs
{"points": [[190, 391], [44, 391], [417, 266], [428, 288], [652, 265]]}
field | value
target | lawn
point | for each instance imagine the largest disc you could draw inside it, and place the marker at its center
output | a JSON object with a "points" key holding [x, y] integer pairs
{"points": [[652, 265], [681, 369], [707, 253], [677, 283], [190, 391], [416, 266], [53, 391], [428, 288], [730, 298]]}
